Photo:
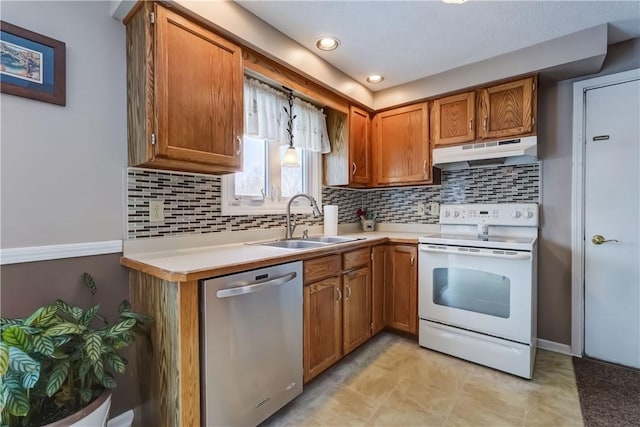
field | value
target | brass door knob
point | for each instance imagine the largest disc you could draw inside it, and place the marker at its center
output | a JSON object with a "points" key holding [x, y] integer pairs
{"points": [[597, 239]]}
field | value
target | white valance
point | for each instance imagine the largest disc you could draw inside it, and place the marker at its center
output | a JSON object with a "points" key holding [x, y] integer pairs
{"points": [[265, 117]]}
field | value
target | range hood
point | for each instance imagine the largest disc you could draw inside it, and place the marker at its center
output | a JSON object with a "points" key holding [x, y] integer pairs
{"points": [[492, 153]]}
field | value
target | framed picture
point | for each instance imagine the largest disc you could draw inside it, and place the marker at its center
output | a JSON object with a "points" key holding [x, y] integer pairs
{"points": [[32, 66]]}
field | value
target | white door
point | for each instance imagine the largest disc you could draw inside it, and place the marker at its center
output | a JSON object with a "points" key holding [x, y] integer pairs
{"points": [[612, 210]]}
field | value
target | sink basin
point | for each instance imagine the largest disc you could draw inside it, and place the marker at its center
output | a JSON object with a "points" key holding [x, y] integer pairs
{"points": [[333, 239], [293, 244]]}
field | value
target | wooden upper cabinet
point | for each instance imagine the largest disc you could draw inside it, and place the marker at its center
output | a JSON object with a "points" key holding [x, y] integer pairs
{"points": [[452, 119], [402, 154], [185, 94], [508, 109], [359, 147]]}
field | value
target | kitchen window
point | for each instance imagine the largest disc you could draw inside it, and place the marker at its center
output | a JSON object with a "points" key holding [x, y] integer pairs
{"points": [[265, 186]]}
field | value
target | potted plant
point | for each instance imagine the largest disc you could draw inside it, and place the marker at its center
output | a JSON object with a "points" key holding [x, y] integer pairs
{"points": [[61, 359]]}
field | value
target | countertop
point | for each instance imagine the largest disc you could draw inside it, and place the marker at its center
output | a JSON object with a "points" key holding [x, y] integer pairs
{"points": [[194, 263]]}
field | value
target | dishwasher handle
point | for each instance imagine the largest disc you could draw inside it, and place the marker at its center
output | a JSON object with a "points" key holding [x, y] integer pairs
{"points": [[251, 287]]}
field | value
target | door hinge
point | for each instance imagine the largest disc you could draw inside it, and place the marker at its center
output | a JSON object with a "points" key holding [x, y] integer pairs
{"points": [[152, 17], [153, 139]]}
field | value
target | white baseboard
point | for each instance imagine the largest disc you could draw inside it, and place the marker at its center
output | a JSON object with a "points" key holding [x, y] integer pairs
{"points": [[555, 347], [49, 252]]}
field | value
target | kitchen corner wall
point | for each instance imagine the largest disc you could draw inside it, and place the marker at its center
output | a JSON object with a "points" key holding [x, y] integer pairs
{"points": [[193, 202]]}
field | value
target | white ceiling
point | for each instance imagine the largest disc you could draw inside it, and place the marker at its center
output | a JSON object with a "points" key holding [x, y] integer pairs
{"points": [[409, 40]]}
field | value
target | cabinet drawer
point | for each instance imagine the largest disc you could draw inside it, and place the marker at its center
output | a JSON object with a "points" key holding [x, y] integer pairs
{"points": [[356, 258], [320, 268]]}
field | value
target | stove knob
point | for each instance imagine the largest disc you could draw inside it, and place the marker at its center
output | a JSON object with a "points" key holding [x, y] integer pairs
{"points": [[529, 214], [516, 214], [447, 214], [456, 214]]}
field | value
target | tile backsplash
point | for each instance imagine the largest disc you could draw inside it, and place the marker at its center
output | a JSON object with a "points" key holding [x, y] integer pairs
{"points": [[192, 203]]}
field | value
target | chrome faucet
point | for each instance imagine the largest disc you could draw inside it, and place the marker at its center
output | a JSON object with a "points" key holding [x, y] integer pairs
{"points": [[291, 226]]}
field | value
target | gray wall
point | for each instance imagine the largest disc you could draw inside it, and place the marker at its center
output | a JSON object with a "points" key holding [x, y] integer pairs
{"points": [[555, 109], [62, 167]]}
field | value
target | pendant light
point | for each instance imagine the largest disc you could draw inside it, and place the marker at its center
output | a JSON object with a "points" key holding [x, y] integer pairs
{"points": [[290, 155]]}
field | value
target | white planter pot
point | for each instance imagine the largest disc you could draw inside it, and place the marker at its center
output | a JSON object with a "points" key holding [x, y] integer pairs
{"points": [[93, 415]]}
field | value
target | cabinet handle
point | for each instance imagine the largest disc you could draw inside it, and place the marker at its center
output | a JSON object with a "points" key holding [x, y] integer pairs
{"points": [[339, 295], [348, 292], [238, 145], [413, 260], [353, 168], [484, 123], [470, 124], [424, 167]]}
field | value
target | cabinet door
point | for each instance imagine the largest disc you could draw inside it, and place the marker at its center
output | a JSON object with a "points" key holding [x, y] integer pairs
{"points": [[452, 119], [378, 288], [322, 326], [359, 147], [403, 304], [507, 109], [402, 146], [198, 94], [356, 308]]}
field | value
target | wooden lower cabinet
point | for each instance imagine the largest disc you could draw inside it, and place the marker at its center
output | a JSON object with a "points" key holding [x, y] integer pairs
{"points": [[356, 288], [403, 282], [322, 326]]}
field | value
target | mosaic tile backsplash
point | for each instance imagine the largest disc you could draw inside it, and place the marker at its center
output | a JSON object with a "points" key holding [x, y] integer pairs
{"points": [[192, 203]]}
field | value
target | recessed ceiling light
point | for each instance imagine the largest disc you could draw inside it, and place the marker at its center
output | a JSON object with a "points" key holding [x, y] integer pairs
{"points": [[455, 1], [375, 78], [327, 43]]}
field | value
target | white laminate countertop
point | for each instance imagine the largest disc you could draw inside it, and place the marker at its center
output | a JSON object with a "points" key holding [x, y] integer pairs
{"points": [[219, 258]]}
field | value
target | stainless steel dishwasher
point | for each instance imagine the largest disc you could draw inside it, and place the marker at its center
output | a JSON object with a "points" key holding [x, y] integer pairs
{"points": [[251, 344]]}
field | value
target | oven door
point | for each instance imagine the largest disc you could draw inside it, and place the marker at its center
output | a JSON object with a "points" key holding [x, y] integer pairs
{"points": [[482, 290]]}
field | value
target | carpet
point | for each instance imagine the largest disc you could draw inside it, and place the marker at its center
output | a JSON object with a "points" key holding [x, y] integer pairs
{"points": [[609, 394]]}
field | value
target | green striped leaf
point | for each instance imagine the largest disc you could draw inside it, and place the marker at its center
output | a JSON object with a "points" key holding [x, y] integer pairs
{"points": [[85, 367], [43, 345], [85, 395], [20, 361], [47, 315], [115, 362], [29, 379], [89, 315], [108, 381], [93, 346], [64, 328], [121, 326], [124, 306], [58, 376], [13, 335], [31, 319], [17, 402], [98, 368], [76, 313], [91, 284], [138, 316], [4, 358], [60, 340], [63, 306]]}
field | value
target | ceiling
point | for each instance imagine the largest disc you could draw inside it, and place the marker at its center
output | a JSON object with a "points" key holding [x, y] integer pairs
{"points": [[409, 40]]}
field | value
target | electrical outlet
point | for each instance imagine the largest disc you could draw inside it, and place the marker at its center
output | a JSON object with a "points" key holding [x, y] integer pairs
{"points": [[434, 208], [156, 210], [420, 208]]}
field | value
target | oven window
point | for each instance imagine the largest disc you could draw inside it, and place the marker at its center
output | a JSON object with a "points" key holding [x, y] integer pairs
{"points": [[472, 290]]}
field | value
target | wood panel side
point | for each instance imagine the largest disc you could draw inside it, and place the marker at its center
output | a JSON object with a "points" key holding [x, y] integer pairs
{"points": [[139, 86], [379, 288], [159, 367], [336, 163], [189, 354]]}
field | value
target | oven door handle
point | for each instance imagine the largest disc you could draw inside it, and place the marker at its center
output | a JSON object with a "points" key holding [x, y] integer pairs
{"points": [[484, 253]]}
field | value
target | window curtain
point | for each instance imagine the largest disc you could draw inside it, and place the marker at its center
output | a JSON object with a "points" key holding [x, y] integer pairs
{"points": [[265, 117]]}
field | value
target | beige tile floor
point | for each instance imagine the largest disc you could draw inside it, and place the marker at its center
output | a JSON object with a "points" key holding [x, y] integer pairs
{"points": [[391, 381]]}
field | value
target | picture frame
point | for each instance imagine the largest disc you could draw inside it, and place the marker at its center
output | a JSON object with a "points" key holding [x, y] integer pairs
{"points": [[32, 65]]}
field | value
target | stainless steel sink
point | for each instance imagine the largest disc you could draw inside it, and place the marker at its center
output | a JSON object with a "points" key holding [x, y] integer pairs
{"points": [[293, 244], [311, 242], [333, 239]]}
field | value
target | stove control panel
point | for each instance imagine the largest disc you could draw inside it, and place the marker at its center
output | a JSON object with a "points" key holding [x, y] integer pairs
{"points": [[515, 214]]}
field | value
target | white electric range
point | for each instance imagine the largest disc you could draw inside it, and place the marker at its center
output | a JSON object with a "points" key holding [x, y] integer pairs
{"points": [[478, 285]]}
